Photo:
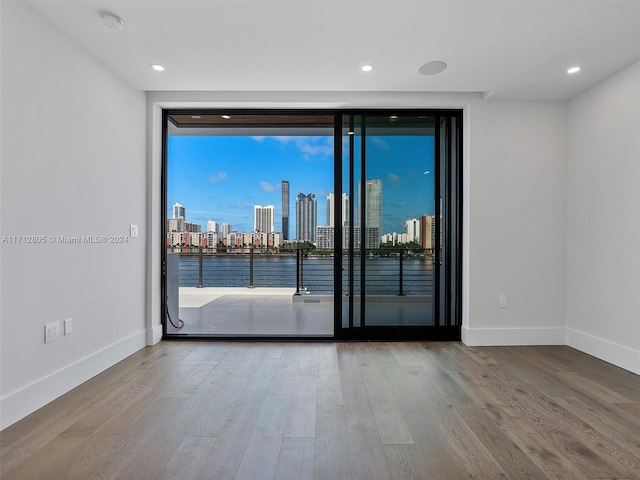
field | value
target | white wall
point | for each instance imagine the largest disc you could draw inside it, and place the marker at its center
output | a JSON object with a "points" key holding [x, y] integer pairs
{"points": [[514, 201], [73, 163], [516, 223], [603, 229]]}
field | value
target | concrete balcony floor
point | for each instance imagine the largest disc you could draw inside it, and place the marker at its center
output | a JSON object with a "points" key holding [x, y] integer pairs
{"points": [[256, 312]]}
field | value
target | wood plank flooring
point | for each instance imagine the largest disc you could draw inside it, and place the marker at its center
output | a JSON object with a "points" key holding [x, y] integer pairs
{"points": [[199, 410]]}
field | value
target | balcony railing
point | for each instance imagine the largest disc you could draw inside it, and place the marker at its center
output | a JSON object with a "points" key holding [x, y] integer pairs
{"points": [[387, 272]]}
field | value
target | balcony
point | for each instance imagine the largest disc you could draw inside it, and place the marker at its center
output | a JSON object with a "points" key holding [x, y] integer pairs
{"points": [[261, 294]]}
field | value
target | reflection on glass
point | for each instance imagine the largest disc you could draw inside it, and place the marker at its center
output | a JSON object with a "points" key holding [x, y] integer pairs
{"points": [[246, 203], [388, 176]]}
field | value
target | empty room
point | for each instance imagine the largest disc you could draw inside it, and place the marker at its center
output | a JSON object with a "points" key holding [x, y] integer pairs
{"points": [[356, 240]]}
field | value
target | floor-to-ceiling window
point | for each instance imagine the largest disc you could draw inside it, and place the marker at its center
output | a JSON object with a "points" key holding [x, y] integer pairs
{"points": [[400, 173], [312, 224]]}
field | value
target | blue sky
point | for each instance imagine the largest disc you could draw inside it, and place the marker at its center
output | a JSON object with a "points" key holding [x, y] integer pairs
{"points": [[221, 178]]}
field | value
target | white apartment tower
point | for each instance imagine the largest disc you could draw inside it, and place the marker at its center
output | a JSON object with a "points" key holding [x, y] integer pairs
{"points": [[264, 218], [212, 226], [331, 222], [412, 229], [226, 230], [178, 211]]}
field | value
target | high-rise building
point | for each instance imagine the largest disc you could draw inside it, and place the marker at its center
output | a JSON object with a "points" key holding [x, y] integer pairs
{"points": [[178, 211], [212, 226], [175, 225], [306, 217], [426, 232], [412, 229], [285, 210], [373, 204], [226, 230], [331, 210], [263, 218], [324, 237], [192, 227], [371, 237]]}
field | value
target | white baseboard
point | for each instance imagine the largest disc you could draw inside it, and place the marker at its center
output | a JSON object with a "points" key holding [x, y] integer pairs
{"points": [[154, 335], [20, 403], [619, 355], [513, 336]]}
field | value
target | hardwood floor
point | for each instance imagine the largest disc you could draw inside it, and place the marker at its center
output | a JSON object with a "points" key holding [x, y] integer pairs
{"points": [[196, 410]]}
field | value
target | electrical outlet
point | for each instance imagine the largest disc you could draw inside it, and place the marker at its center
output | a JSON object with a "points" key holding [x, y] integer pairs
{"points": [[133, 231], [502, 301], [68, 326], [51, 332]]}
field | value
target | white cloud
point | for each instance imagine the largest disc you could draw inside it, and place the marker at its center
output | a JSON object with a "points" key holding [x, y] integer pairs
{"points": [[240, 205], [219, 177], [267, 187], [393, 178], [317, 149], [309, 146], [380, 143]]}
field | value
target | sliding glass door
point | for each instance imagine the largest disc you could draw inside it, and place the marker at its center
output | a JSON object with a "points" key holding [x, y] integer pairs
{"points": [[312, 224], [399, 178]]}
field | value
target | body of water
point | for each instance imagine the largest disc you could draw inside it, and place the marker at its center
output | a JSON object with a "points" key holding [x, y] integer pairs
{"points": [[316, 273]]}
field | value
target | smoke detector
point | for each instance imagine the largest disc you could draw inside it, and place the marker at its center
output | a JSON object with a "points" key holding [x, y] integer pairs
{"points": [[112, 22]]}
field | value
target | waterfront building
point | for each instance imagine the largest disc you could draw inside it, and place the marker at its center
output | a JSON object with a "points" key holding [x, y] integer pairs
{"points": [[306, 217], [373, 204], [226, 230], [331, 210], [211, 240], [195, 239], [324, 237], [212, 226], [263, 218], [285, 210], [395, 238], [427, 232], [412, 228], [371, 237], [178, 211], [175, 225], [192, 227]]}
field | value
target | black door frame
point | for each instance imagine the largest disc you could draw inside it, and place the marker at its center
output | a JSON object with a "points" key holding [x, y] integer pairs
{"points": [[447, 330]]}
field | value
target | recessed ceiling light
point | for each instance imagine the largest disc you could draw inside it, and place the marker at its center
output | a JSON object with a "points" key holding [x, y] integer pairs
{"points": [[225, 116], [112, 22], [573, 70], [196, 117], [366, 68], [432, 68], [157, 67]]}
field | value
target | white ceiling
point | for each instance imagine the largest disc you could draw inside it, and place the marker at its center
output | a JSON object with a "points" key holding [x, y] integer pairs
{"points": [[507, 49]]}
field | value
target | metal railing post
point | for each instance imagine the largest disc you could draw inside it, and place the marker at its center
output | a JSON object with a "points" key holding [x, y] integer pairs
{"points": [[297, 272], [400, 281], [251, 267], [302, 269], [200, 266]]}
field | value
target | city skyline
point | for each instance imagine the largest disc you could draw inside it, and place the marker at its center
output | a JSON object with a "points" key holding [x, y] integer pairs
{"points": [[221, 178]]}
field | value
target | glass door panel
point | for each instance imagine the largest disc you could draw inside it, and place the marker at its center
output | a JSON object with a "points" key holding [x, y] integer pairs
{"points": [[400, 258], [389, 177], [396, 213]]}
